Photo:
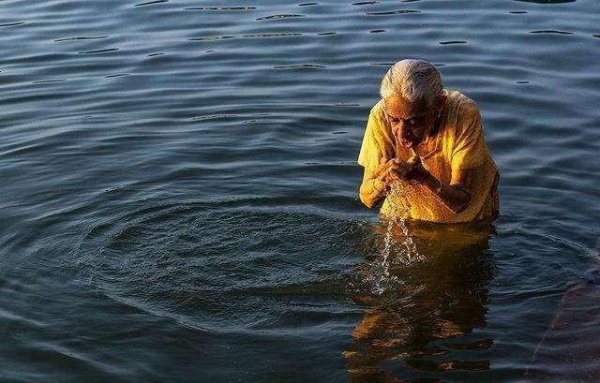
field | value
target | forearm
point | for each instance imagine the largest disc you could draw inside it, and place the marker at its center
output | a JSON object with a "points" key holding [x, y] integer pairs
{"points": [[372, 190], [453, 196]]}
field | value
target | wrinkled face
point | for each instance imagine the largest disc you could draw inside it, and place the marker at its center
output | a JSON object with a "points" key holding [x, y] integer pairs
{"points": [[411, 122]]}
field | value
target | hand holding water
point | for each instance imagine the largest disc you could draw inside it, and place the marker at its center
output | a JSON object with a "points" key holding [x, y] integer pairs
{"points": [[411, 170]]}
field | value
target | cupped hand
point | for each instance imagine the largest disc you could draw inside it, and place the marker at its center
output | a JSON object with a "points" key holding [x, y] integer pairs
{"points": [[411, 170]]}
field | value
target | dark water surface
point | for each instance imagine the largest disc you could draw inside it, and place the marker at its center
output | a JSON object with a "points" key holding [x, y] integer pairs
{"points": [[179, 194]]}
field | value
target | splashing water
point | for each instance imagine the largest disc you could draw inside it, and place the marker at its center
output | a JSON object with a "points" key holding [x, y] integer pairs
{"points": [[407, 254]]}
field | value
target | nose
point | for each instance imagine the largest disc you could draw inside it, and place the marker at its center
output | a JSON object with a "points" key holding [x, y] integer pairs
{"points": [[402, 131]]}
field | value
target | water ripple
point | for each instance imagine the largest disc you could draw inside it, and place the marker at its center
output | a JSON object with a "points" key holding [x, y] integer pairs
{"points": [[222, 9], [97, 51], [13, 24], [300, 66], [391, 13], [547, 1], [551, 31], [78, 38], [452, 42], [153, 2], [280, 17]]}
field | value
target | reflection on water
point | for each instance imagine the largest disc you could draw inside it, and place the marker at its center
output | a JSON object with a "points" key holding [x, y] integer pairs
{"points": [[429, 316]]}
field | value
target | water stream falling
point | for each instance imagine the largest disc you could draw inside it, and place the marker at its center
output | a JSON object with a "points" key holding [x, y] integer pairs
{"points": [[406, 252]]}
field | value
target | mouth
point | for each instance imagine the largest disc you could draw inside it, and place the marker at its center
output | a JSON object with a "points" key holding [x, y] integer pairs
{"points": [[407, 143]]}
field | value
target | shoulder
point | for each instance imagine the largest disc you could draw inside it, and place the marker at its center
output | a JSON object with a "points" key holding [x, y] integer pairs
{"points": [[377, 124], [377, 111], [462, 106], [463, 114]]}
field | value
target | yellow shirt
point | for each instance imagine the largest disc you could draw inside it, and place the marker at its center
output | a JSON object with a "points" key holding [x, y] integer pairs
{"points": [[459, 144]]}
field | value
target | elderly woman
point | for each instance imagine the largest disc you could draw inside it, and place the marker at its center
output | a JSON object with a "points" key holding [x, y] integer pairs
{"points": [[424, 153]]}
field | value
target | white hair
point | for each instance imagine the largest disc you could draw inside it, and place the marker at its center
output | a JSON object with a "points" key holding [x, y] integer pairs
{"points": [[412, 80]]}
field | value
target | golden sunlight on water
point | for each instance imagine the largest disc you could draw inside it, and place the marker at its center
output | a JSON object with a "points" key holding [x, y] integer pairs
{"points": [[429, 304]]}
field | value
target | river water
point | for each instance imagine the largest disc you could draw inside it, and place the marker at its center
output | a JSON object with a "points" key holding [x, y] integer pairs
{"points": [[179, 194]]}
